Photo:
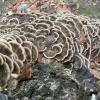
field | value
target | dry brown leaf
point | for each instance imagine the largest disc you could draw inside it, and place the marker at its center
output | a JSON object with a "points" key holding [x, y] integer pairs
{"points": [[26, 73], [95, 72]]}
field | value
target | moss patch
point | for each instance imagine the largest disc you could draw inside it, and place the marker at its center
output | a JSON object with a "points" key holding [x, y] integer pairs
{"points": [[88, 11]]}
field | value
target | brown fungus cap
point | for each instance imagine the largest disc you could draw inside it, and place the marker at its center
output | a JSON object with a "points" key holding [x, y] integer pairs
{"points": [[9, 38], [27, 44], [23, 38], [4, 49], [3, 40], [28, 28], [9, 61], [30, 36], [18, 39], [19, 62], [13, 21], [34, 53], [56, 49], [1, 59], [16, 69], [42, 32], [18, 50], [40, 43], [28, 54], [5, 74], [45, 21], [41, 26], [64, 53]]}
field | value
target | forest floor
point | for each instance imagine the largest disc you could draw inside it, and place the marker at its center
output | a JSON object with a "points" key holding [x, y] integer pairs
{"points": [[50, 83], [86, 8]]}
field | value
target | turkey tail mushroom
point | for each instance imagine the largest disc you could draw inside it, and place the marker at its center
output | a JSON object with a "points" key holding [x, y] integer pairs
{"points": [[1, 60], [4, 49], [5, 74], [67, 39], [56, 49], [8, 60], [18, 50]]}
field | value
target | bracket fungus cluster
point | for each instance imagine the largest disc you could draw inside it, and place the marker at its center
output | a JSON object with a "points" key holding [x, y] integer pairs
{"points": [[27, 38]]}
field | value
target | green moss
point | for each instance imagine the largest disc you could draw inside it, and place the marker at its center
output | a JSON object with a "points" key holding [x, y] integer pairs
{"points": [[88, 11]]}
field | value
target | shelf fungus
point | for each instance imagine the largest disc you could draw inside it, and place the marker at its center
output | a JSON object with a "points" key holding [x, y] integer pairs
{"points": [[65, 39]]}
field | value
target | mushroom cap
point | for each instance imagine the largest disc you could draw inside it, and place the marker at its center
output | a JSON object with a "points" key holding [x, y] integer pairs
{"points": [[42, 32], [16, 31], [34, 53], [64, 29], [47, 22], [1, 59], [9, 38], [69, 57], [19, 62], [5, 74], [64, 53], [29, 35], [16, 69], [23, 38], [40, 43], [56, 49], [5, 42], [13, 21], [28, 54], [18, 39], [27, 44], [4, 49], [41, 26], [28, 28], [9, 61], [18, 50]]}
